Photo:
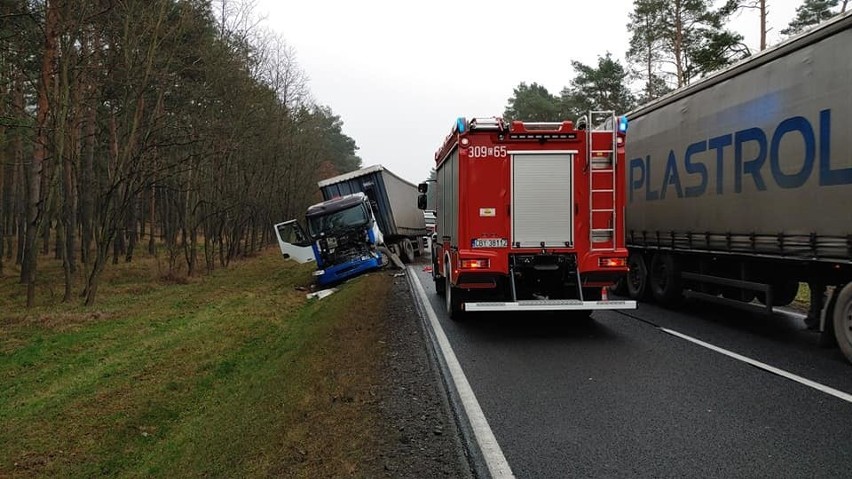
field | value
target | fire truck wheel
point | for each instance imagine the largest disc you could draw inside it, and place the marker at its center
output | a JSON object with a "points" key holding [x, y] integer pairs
{"points": [[581, 316], [666, 285], [592, 294], [440, 282], [452, 299], [843, 321], [620, 287], [407, 251], [585, 315], [637, 277]]}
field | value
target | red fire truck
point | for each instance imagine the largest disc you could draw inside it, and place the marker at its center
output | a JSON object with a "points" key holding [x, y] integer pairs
{"points": [[530, 216]]}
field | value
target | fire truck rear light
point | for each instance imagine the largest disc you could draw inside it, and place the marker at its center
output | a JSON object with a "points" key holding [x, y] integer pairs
{"points": [[465, 141], [613, 262], [474, 263]]}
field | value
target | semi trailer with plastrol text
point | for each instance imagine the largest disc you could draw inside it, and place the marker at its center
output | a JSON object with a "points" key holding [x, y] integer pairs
{"points": [[529, 216], [740, 185]]}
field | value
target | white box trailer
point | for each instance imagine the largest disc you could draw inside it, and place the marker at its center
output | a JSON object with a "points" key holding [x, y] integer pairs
{"points": [[394, 203]]}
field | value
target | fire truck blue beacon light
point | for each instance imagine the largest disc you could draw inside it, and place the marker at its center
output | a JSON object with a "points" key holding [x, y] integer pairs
{"points": [[622, 124]]}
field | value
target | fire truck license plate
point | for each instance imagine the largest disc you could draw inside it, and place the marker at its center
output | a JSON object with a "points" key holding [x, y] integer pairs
{"points": [[490, 243]]}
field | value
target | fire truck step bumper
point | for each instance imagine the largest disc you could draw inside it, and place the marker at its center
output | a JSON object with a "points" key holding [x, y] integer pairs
{"points": [[550, 305]]}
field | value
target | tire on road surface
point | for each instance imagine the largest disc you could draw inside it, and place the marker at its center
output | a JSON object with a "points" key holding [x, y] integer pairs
{"points": [[620, 287], [843, 321], [453, 298], [665, 281], [637, 277], [407, 251], [440, 281], [589, 294]]}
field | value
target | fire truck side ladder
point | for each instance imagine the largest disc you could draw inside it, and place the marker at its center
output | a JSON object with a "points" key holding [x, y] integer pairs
{"points": [[601, 165]]}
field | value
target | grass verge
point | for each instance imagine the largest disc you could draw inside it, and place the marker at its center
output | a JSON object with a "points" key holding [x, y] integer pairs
{"points": [[236, 374]]}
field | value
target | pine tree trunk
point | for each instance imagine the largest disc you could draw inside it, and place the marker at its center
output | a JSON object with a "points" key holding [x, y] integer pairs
{"points": [[35, 206], [22, 189], [678, 45], [15, 176], [209, 251], [93, 279], [88, 185], [58, 233], [3, 180], [152, 247], [132, 236], [69, 223]]}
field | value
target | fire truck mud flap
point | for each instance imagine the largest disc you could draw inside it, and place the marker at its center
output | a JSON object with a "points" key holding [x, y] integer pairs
{"points": [[550, 305]]}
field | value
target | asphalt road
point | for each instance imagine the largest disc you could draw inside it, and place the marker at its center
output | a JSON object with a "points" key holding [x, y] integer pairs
{"points": [[622, 398]]}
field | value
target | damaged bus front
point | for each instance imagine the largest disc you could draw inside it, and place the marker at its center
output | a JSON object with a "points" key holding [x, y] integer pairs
{"points": [[342, 237]]}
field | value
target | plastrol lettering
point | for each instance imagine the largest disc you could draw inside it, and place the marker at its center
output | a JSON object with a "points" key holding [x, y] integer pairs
{"points": [[753, 168]]}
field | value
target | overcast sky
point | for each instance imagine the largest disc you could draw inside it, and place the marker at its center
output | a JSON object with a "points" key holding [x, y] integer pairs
{"points": [[399, 73]]}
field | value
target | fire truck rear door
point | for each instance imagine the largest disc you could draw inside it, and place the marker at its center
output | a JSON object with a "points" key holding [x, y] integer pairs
{"points": [[542, 198]]}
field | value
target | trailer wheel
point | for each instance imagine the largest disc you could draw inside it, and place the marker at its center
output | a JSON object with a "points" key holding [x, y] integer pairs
{"points": [[452, 298], [407, 251], [666, 284], [843, 321], [637, 277]]}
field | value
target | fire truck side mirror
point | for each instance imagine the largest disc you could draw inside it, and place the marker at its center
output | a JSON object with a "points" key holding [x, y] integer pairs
{"points": [[423, 187], [421, 201]]}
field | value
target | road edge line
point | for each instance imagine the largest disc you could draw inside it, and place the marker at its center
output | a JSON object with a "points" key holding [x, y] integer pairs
{"points": [[489, 449]]}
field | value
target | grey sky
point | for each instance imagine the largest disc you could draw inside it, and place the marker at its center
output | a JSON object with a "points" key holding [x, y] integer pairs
{"points": [[399, 73]]}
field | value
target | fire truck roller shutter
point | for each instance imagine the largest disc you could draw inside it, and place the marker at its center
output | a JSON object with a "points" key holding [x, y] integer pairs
{"points": [[542, 199]]}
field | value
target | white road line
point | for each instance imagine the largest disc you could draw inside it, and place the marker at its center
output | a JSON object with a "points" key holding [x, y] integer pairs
{"points": [[772, 369], [491, 452]]}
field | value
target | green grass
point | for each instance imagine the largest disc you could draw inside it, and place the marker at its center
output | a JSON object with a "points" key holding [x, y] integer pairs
{"points": [[804, 294], [802, 303], [210, 378]]}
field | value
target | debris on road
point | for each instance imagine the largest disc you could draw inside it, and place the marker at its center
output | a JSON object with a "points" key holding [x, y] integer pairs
{"points": [[321, 294], [393, 257]]}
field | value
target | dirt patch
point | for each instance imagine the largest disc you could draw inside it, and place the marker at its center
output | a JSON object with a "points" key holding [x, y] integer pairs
{"points": [[418, 435]]}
